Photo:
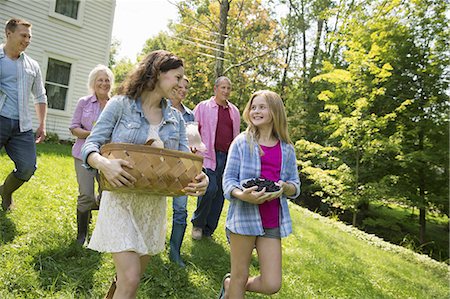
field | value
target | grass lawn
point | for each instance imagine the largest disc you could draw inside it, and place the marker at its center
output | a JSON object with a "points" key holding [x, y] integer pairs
{"points": [[321, 259]]}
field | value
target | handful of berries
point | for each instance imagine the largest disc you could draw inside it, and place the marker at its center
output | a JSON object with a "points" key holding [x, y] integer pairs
{"points": [[261, 183]]}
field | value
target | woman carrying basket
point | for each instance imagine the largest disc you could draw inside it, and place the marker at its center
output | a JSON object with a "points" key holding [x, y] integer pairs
{"points": [[132, 226]]}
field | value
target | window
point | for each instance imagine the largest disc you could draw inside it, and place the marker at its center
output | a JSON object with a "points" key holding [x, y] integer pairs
{"points": [[67, 8], [57, 83], [70, 11]]}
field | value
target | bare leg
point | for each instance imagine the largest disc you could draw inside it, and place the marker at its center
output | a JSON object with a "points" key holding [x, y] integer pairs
{"points": [[241, 254], [129, 268], [269, 256]]}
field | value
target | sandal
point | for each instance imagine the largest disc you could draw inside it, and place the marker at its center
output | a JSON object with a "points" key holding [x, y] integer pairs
{"points": [[222, 289], [111, 289]]}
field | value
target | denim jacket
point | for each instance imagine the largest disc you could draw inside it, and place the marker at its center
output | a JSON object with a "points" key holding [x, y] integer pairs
{"points": [[122, 120], [244, 163]]}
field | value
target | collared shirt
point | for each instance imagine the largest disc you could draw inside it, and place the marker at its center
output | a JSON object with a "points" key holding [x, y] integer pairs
{"points": [[206, 113], [29, 81], [122, 120], [85, 116], [187, 113], [244, 163]]}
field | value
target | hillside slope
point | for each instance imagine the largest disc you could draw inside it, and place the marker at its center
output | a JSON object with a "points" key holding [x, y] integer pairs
{"points": [[321, 259]]}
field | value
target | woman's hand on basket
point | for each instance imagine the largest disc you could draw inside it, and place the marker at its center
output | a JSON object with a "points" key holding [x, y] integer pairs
{"points": [[198, 186], [114, 172]]}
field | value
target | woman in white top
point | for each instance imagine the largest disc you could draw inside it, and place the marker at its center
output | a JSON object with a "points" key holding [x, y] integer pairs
{"points": [[133, 226]]}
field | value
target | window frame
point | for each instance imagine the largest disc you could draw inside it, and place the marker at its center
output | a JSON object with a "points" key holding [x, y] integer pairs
{"points": [[80, 15], [70, 86]]}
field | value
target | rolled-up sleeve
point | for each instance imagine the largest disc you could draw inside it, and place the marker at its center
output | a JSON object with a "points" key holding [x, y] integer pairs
{"points": [[102, 131], [292, 170], [38, 89], [232, 170], [76, 118]]}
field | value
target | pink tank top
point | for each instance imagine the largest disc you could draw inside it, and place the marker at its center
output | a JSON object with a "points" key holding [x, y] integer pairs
{"points": [[270, 170]]}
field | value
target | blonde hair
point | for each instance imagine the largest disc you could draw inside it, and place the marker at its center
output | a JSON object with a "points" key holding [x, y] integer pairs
{"points": [[279, 119], [94, 74]]}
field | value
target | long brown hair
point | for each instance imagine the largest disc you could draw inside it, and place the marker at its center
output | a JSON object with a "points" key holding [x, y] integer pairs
{"points": [[279, 119], [146, 74]]}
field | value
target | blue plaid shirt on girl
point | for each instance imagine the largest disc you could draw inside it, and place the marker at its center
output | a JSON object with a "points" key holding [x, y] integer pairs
{"points": [[244, 163]]}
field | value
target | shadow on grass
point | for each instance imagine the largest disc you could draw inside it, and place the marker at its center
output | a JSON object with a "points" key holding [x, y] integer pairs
{"points": [[67, 268], [210, 257], [7, 228], [165, 280]]}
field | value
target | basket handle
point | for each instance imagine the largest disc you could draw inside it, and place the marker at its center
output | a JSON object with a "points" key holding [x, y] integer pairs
{"points": [[150, 141]]}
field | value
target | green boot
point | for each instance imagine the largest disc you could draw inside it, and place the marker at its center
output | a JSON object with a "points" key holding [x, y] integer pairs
{"points": [[10, 185], [176, 239], [82, 224]]}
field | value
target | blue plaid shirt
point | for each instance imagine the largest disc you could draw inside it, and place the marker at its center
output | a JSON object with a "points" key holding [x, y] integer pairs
{"points": [[242, 163]]}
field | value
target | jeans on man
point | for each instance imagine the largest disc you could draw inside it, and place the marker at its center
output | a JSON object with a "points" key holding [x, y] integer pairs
{"points": [[209, 206], [20, 147]]}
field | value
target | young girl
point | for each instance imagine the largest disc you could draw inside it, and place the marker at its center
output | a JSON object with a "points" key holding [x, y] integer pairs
{"points": [[255, 219]]}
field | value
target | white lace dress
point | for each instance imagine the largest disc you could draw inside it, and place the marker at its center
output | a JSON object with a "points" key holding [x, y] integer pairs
{"points": [[131, 221]]}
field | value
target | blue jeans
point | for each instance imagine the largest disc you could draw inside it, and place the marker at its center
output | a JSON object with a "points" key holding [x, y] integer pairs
{"points": [[20, 147], [179, 210], [209, 206]]}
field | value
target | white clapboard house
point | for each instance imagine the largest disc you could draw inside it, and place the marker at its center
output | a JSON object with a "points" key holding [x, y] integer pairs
{"points": [[70, 37]]}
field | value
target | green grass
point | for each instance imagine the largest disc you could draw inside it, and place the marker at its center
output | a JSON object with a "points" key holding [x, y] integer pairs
{"points": [[321, 259]]}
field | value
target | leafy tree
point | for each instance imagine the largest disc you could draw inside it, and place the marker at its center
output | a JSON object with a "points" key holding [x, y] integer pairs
{"points": [[120, 70], [114, 48], [250, 59], [423, 160], [385, 106]]}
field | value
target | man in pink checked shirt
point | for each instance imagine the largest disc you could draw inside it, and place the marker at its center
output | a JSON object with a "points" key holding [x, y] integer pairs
{"points": [[219, 123]]}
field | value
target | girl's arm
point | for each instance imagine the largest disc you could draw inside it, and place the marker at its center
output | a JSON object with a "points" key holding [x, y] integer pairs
{"points": [[289, 189], [102, 131], [231, 174], [291, 183]]}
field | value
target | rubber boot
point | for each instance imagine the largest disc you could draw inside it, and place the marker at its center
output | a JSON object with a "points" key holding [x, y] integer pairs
{"points": [[10, 185], [83, 223], [176, 239]]}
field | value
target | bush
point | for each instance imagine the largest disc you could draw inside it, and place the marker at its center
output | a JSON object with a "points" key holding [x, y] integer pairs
{"points": [[52, 138]]}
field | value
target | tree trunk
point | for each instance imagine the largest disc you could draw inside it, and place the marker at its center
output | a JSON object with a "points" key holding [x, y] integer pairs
{"points": [[422, 222], [356, 207], [312, 69], [422, 206], [304, 42], [224, 8], [288, 56], [355, 213]]}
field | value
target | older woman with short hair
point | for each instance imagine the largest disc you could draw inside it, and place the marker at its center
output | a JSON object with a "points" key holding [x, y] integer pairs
{"points": [[87, 111]]}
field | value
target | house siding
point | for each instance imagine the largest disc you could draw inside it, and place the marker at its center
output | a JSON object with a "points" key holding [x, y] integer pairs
{"points": [[84, 46]]}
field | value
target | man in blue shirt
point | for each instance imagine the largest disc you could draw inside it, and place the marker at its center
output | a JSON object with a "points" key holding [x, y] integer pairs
{"points": [[20, 76], [180, 202]]}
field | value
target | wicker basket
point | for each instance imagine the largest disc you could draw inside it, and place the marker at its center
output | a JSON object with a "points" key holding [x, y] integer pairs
{"points": [[157, 170]]}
